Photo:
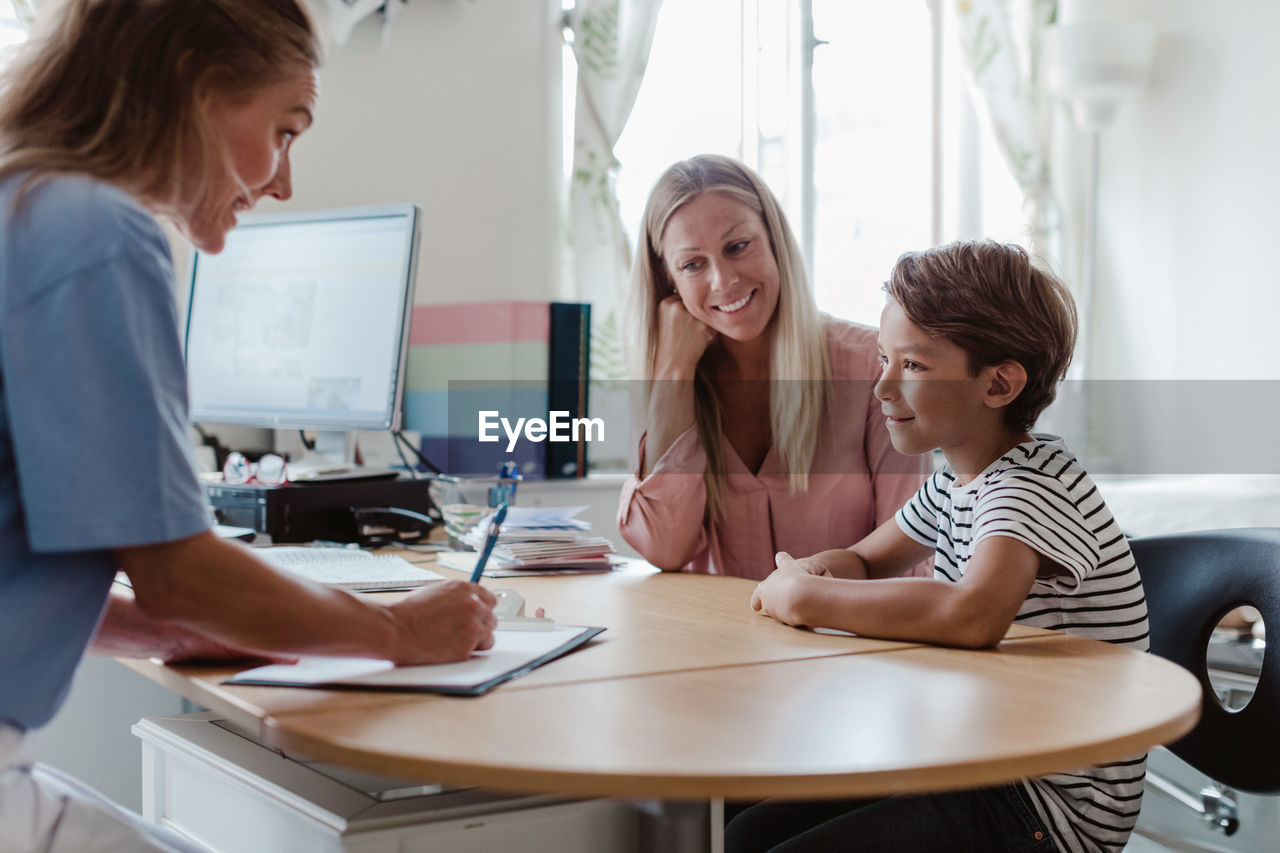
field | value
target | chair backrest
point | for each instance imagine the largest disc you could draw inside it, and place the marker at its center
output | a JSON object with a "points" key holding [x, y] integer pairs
{"points": [[1191, 581]]}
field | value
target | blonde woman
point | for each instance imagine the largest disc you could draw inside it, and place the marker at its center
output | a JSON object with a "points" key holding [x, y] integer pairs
{"points": [[116, 111], [760, 431]]}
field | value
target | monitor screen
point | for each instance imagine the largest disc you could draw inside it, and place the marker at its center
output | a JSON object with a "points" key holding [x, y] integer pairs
{"points": [[302, 321]]}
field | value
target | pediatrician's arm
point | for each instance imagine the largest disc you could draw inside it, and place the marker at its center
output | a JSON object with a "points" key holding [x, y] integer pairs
{"points": [[127, 632], [974, 612], [220, 590]]}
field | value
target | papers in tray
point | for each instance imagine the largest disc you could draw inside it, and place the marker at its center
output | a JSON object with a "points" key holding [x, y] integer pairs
{"points": [[541, 537], [348, 568], [513, 654], [465, 561], [540, 518]]}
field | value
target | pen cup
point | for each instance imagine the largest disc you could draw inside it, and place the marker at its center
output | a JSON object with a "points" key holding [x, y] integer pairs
{"points": [[458, 519]]}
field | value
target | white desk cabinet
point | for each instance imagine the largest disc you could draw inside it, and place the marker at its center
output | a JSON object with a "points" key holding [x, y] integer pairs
{"points": [[228, 792]]}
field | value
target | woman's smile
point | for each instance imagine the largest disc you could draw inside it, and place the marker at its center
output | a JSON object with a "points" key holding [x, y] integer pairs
{"points": [[734, 307]]}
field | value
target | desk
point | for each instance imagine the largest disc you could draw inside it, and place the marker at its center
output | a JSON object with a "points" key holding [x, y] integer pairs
{"points": [[690, 695]]}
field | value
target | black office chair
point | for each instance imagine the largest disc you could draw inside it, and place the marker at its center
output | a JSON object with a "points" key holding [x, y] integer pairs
{"points": [[1192, 580]]}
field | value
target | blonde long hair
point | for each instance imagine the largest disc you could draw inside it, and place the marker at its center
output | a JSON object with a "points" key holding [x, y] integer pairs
{"points": [[799, 365], [114, 89]]}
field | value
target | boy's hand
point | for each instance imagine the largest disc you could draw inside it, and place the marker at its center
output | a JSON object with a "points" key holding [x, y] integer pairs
{"points": [[779, 594]]}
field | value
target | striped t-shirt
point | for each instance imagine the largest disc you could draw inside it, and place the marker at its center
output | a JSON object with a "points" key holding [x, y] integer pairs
{"points": [[1038, 494]]}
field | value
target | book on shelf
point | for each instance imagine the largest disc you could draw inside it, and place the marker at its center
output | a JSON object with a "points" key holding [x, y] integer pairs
{"points": [[521, 358]]}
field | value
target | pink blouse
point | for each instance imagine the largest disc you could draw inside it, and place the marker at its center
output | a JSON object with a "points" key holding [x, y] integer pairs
{"points": [[857, 481]]}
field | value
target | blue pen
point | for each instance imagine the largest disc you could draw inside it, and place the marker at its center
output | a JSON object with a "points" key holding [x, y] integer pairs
{"points": [[508, 478], [495, 526]]}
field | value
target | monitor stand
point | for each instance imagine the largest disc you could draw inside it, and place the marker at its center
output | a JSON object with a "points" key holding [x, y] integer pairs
{"points": [[333, 458]]}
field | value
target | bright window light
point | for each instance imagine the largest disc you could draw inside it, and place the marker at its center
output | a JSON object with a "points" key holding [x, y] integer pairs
{"points": [[729, 78], [730, 86], [12, 32], [873, 139]]}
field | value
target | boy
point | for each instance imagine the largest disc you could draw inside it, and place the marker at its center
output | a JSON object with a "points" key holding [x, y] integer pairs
{"points": [[973, 342]]}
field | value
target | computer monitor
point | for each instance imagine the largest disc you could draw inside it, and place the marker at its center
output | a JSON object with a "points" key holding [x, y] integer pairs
{"points": [[302, 322]]}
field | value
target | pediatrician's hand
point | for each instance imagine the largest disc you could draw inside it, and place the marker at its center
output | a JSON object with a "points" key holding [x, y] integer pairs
{"points": [[682, 339], [443, 622], [195, 648]]}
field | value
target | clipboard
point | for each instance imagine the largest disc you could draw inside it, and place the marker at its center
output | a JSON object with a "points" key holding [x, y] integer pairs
{"points": [[513, 654]]}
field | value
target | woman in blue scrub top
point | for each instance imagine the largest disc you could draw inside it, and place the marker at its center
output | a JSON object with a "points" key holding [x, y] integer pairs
{"points": [[118, 111]]}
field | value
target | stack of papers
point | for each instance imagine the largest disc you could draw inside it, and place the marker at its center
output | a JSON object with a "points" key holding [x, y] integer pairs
{"points": [[543, 537]]}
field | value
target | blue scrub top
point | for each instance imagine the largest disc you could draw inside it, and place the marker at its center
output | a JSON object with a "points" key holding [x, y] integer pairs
{"points": [[93, 423]]}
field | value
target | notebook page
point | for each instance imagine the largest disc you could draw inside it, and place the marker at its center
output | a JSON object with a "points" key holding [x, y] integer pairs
{"points": [[347, 568]]}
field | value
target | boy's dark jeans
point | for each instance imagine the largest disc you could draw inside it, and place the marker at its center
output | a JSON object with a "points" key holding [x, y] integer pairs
{"points": [[987, 820]]}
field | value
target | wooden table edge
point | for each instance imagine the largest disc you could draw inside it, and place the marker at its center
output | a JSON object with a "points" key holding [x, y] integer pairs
{"points": [[173, 678], [729, 787]]}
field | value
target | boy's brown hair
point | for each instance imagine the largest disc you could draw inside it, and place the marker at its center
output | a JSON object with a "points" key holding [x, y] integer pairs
{"points": [[992, 302]]}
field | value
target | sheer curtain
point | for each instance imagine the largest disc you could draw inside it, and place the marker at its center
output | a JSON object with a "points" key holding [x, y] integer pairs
{"points": [[611, 41], [1002, 45], [1003, 42], [25, 11]]}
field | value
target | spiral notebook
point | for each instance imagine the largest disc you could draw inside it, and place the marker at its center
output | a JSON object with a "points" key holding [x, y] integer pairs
{"points": [[348, 568]]}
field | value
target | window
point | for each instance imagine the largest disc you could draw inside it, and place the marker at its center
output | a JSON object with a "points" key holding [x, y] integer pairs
{"points": [[872, 153], [854, 112], [12, 31]]}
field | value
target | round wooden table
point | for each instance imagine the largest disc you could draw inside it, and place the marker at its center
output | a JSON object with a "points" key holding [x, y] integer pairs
{"points": [[691, 695]]}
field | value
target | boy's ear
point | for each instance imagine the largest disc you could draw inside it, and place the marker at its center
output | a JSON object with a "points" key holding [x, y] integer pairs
{"points": [[1005, 382]]}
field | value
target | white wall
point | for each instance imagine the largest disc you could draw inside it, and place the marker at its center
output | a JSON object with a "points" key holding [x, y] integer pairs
{"points": [[1190, 181], [1186, 276], [461, 114], [90, 738]]}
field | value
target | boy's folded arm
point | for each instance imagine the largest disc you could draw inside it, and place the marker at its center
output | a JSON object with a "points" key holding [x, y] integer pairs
{"points": [[887, 552], [975, 612]]}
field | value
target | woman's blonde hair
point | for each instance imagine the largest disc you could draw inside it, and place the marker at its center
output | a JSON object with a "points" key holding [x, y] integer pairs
{"points": [[799, 365], [115, 89]]}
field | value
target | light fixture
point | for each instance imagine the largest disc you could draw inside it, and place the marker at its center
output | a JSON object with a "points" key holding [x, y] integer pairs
{"points": [[1095, 66], [1096, 60]]}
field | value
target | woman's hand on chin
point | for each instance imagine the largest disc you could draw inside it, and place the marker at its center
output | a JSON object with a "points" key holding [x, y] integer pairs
{"points": [[682, 340]]}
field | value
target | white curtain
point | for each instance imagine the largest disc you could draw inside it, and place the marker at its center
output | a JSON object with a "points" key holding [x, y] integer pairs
{"points": [[344, 15], [26, 12], [611, 41], [1002, 44]]}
